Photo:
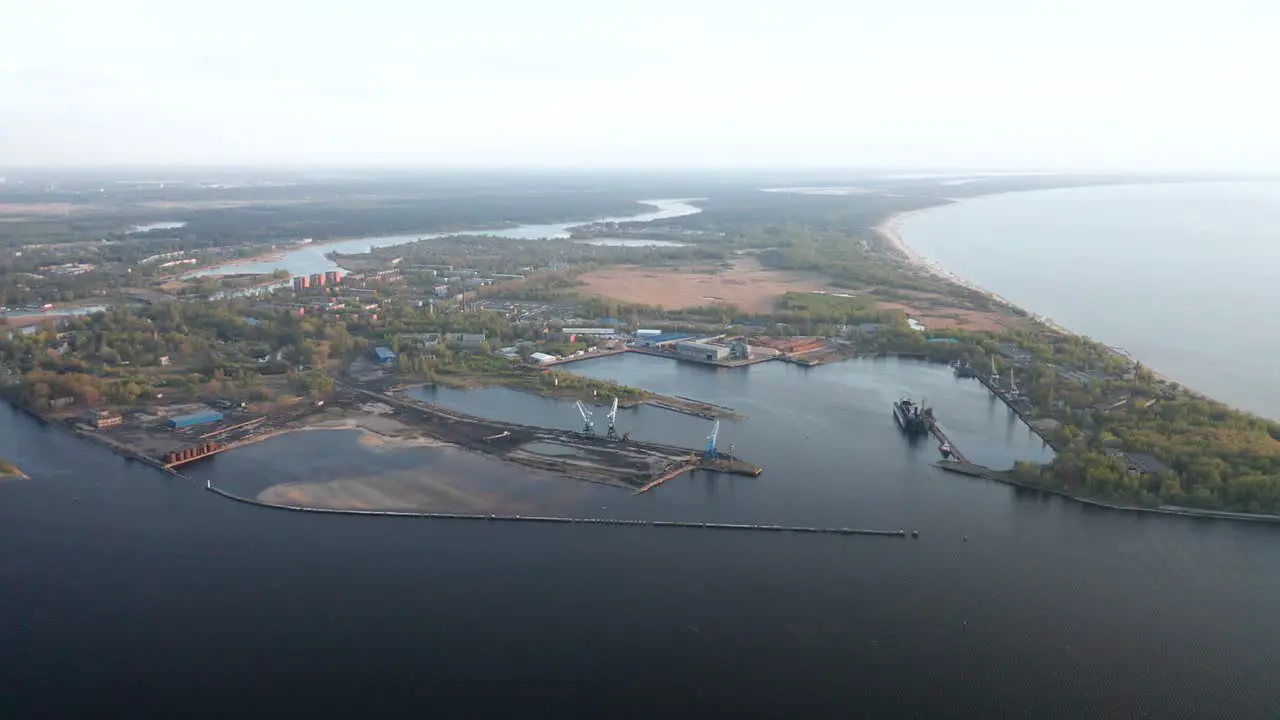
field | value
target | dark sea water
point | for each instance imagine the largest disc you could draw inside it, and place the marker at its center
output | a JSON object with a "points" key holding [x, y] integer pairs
{"points": [[127, 588], [1182, 275]]}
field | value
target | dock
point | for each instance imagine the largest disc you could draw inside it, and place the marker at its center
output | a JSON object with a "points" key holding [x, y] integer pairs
{"points": [[720, 463], [964, 467], [679, 469], [199, 452], [585, 456], [1022, 415], [942, 438]]}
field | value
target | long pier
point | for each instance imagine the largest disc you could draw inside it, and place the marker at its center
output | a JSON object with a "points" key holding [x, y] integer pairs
{"points": [[986, 382], [569, 520], [942, 438]]}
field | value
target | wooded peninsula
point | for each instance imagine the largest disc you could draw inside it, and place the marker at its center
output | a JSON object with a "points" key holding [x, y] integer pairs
{"points": [[813, 265]]}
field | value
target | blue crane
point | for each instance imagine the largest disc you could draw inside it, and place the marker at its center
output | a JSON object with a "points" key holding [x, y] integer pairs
{"points": [[710, 453]]}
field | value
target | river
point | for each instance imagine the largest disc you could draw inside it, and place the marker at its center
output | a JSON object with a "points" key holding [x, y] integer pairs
{"points": [[310, 259], [1180, 275], [139, 589]]}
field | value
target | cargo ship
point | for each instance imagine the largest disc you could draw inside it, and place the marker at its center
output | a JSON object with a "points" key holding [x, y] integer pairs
{"points": [[913, 419]]}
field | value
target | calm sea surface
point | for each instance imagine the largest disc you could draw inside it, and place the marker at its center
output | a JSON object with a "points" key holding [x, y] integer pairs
{"points": [[1181, 275], [127, 588]]}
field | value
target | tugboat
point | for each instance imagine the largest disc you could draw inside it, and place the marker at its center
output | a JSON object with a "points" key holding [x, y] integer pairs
{"points": [[945, 449], [913, 419]]}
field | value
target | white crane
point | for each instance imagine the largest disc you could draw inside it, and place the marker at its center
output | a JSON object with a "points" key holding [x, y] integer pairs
{"points": [[587, 427], [613, 418]]}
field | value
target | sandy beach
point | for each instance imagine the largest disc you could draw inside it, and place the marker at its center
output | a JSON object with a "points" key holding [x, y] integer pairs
{"points": [[891, 229]]}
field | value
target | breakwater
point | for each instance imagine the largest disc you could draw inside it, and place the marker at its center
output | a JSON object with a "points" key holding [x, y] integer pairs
{"points": [[986, 473], [566, 520]]}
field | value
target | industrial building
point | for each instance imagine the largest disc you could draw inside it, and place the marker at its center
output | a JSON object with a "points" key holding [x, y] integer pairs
{"points": [[662, 339], [587, 334], [541, 358], [199, 418], [384, 355], [466, 340], [702, 351]]}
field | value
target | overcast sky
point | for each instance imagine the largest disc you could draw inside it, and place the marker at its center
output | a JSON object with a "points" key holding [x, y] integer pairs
{"points": [[1099, 84]]}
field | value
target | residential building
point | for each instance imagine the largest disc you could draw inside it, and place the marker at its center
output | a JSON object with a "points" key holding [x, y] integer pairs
{"points": [[317, 280], [332, 277]]}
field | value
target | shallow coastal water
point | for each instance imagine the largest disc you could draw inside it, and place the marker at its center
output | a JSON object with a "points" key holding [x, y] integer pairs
{"points": [[161, 590], [1180, 275]]}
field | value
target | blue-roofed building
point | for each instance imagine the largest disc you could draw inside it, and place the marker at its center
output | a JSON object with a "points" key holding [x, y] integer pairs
{"points": [[943, 340], [662, 339], [384, 355]]}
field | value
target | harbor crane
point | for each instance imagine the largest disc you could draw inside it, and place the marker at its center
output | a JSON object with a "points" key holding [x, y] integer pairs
{"points": [[710, 453], [612, 434], [587, 427]]}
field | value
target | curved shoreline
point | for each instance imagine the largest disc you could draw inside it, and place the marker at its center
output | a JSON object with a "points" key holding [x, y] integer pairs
{"points": [[890, 228]]}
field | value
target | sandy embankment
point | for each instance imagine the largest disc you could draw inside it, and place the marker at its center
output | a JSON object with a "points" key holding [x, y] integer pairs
{"points": [[379, 432]]}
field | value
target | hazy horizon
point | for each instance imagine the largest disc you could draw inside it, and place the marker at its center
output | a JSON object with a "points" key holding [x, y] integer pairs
{"points": [[923, 85]]}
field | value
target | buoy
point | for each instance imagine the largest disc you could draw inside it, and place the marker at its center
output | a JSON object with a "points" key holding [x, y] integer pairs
{"points": [[966, 538], [915, 533]]}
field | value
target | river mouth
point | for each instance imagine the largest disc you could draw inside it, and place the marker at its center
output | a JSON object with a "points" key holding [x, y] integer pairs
{"points": [[311, 258]]}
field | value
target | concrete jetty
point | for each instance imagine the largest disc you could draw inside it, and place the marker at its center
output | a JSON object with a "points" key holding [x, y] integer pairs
{"points": [[938, 433], [568, 520]]}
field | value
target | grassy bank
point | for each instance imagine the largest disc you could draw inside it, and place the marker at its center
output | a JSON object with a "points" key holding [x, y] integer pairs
{"points": [[473, 371]]}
